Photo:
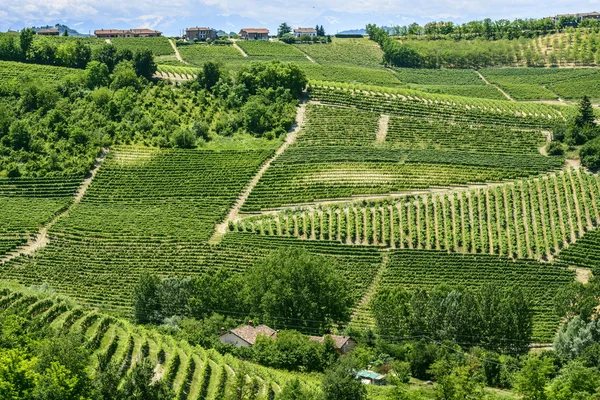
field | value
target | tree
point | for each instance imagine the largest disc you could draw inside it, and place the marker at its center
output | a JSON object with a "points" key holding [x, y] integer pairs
{"points": [[586, 113], [575, 336], [531, 380], [297, 288], [391, 309], [143, 63], [288, 38], [305, 38], [212, 72], [184, 138], [590, 154], [340, 383], [272, 75], [574, 381], [146, 304], [66, 32], [107, 54], [96, 74], [124, 75], [25, 41], [283, 29]]}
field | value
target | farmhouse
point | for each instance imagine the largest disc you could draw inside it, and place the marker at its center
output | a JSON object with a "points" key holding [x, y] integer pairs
{"points": [[580, 16], [198, 33], [245, 336], [254, 34], [299, 32], [123, 33], [48, 32], [343, 344]]}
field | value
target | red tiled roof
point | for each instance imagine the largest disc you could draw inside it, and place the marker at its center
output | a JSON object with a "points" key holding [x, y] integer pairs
{"points": [[110, 31], [144, 30], [50, 30], [199, 29], [250, 333], [255, 30]]}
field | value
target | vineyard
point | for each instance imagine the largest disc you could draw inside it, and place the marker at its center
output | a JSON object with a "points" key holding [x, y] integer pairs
{"points": [[459, 82], [527, 84], [29, 203], [21, 72], [349, 74], [267, 49], [191, 371], [353, 52], [531, 218], [198, 54], [158, 45], [339, 154]]}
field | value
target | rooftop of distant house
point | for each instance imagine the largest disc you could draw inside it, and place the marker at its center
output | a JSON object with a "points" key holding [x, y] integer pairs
{"points": [[255, 30]]}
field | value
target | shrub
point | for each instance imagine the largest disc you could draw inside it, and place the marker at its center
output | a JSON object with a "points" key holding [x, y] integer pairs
{"points": [[590, 154]]}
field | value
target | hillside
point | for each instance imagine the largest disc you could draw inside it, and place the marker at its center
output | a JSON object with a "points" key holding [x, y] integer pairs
{"points": [[152, 189]]}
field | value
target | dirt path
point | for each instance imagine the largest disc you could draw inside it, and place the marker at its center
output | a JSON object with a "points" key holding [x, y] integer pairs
{"points": [[177, 55], [363, 304], [40, 239], [582, 275], [240, 49], [382, 128], [310, 59], [233, 215], [496, 86]]}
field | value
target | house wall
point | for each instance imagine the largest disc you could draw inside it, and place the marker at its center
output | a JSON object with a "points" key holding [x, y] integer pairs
{"points": [[201, 35], [300, 34], [350, 344], [230, 338]]}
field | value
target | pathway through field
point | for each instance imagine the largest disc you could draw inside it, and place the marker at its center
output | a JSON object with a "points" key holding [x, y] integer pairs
{"points": [[233, 215], [382, 128], [496, 86], [41, 237], [239, 49], [177, 55]]}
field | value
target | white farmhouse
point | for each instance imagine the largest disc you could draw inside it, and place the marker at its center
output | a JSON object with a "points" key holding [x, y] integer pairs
{"points": [[299, 32]]}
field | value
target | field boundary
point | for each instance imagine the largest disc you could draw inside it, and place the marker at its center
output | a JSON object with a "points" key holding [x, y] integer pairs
{"points": [[244, 54], [40, 239], [177, 55], [483, 78], [233, 215]]}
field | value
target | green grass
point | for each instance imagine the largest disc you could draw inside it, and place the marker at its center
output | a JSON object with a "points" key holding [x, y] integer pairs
{"points": [[198, 54]]}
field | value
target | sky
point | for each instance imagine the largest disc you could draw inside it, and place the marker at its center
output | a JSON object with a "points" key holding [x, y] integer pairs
{"points": [[173, 16]]}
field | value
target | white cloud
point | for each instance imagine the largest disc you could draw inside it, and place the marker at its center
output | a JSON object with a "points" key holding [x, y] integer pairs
{"points": [[332, 20]]}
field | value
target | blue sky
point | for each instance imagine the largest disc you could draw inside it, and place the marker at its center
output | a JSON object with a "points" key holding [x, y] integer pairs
{"points": [[171, 16]]}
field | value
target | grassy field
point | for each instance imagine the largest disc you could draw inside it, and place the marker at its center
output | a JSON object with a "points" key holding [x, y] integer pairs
{"points": [[353, 52]]}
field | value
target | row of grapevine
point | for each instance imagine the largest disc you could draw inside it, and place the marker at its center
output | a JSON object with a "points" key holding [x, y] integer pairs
{"points": [[193, 372], [103, 269], [339, 154], [531, 218], [398, 101]]}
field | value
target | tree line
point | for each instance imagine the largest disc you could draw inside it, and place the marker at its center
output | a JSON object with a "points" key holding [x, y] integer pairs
{"points": [[489, 29]]}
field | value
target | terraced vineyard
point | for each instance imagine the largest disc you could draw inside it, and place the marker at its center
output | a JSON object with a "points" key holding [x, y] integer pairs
{"points": [[15, 70], [532, 218], [526, 84], [198, 54], [344, 152], [272, 50], [158, 45], [454, 108], [585, 253], [413, 269], [177, 72], [350, 74], [192, 372], [29, 203], [354, 52], [102, 270], [459, 82]]}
